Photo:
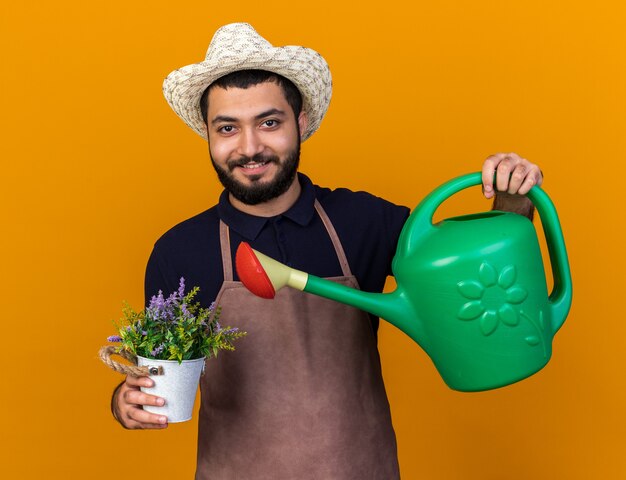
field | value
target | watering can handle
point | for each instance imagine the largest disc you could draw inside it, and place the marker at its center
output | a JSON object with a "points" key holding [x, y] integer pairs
{"points": [[561, 295]]}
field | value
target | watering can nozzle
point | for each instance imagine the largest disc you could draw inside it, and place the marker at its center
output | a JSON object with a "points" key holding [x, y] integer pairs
{"points": [[251, 272], [263, 275]]}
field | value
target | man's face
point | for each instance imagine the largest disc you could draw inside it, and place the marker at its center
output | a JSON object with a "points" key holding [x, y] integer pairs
{"points": [[254, 141]]}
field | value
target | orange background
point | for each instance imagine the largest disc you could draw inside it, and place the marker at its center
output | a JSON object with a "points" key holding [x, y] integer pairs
{"points": [[95, 167]]}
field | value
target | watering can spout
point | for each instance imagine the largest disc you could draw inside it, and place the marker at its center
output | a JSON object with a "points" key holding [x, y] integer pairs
{"points": [[393, 307], [264, 276]]}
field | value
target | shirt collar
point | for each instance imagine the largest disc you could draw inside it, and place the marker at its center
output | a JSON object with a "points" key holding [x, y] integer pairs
{"points": [[249, 226]]}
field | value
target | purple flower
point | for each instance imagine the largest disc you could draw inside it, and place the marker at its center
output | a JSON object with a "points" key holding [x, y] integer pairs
{"points": [[114, 338], [181, 287], [212, 307], [157, 351], [160, 308], [157, 302]]}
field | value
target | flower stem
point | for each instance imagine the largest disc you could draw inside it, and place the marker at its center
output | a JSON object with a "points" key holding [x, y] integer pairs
{"points": [[539, 331]]}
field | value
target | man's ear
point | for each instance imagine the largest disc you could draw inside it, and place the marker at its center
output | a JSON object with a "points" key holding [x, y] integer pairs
{"points": [[303, 122]]}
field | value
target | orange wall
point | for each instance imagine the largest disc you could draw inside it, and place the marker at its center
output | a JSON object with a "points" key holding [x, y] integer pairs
{"points": [[95, 167]]}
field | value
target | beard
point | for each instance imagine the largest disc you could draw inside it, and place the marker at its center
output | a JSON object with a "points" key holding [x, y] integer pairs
{"points": [[259, 192]]}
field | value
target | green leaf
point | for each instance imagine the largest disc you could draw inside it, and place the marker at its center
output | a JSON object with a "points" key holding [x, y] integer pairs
{"points": [[542, 324], [533, 340]]}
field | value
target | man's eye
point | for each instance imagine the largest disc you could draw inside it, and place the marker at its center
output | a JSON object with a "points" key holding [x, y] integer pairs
{"points": [[270, 123], [226, 129]]}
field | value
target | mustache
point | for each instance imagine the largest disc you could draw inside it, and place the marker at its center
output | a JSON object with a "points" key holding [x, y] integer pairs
{"points": [[258, 158]]}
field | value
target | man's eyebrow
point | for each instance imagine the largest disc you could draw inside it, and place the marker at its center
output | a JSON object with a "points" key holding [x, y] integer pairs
{"points": [[267, 113], [223, 118]]}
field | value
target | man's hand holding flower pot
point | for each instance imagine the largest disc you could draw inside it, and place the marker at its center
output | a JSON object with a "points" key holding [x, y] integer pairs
{"points": [[128, 401]]}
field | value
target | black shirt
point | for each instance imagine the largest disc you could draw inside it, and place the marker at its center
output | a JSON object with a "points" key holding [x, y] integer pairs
{"points": [[367, 226]]}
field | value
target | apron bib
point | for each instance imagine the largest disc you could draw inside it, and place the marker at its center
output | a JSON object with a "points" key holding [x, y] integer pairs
{"points": [[302, 397]]}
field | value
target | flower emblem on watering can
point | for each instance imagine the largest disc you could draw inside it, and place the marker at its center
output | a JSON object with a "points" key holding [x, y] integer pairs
{"points": [[494, 297]]}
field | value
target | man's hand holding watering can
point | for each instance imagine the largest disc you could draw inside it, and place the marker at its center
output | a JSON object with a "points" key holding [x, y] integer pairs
{"points": [[514, 176]]}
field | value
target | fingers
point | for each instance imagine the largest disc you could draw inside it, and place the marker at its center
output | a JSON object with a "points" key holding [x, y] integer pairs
{"points": [[130, 401], [137, 397], [139, 418], [145, 382], [489, 169], [516, 178], [533, 177], [513, 174]]}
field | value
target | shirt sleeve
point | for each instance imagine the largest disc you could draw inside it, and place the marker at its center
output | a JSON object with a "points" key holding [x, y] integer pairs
{"points": [[157, 275], [396, 218]]}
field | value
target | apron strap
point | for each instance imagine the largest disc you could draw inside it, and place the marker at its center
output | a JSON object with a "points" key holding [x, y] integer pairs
{"points": [[227, 263], [341, 255]]}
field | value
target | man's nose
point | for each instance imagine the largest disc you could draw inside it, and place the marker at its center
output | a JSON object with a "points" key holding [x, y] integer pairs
{"points": [[250, 143]]}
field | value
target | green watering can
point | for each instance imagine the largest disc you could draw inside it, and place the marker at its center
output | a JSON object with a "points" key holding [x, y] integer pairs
{"points": [[471, 290]]}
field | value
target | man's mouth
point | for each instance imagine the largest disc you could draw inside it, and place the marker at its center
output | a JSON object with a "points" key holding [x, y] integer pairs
{"points": [[253, 165]]}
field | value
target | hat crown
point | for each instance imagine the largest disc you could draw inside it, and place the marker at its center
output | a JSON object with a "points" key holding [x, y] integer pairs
{"points": [[236, 39]]}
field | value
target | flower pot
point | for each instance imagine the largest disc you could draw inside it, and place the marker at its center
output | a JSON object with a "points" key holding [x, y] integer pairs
{"points": [[177, 384]]}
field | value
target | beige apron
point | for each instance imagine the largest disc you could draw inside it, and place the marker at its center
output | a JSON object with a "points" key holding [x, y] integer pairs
{"points": [[302, 397]]}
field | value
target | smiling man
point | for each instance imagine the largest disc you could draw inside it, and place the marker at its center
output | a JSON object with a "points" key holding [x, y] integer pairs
{"points": [[303, 395], [254, 139]]}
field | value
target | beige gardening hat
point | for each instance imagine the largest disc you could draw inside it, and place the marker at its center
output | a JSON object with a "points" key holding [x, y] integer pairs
{"points": [[238, 46]]}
